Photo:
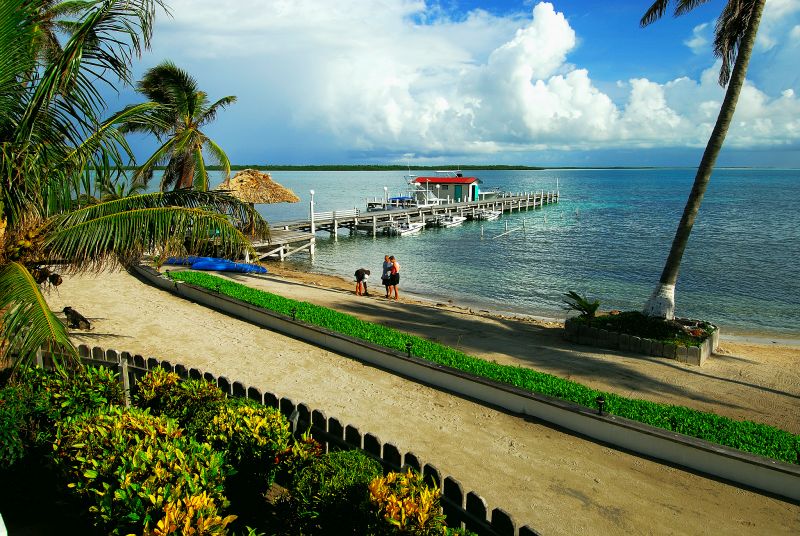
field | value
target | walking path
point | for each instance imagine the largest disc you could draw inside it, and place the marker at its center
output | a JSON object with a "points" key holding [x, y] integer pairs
{"points": [[554, 481]]}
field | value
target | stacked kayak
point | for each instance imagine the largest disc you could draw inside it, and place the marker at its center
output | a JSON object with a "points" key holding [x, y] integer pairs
{"points": [[216, 264]]}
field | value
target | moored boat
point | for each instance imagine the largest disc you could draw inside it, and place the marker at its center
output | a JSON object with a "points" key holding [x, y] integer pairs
{"points": [[485, 214], [403, 228], [447, 220]]}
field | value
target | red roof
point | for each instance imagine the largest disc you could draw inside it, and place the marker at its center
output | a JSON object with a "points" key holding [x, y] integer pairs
{"points": [[446, 180]]}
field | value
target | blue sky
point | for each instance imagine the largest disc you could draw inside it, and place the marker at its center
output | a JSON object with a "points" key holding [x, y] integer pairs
{"points": [[574, 82]]}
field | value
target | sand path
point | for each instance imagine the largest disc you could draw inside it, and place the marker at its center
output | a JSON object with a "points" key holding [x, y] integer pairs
{"points": [[554, 481]]}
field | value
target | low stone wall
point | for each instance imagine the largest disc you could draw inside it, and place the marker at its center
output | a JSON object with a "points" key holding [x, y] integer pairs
{"points": [[579, 333]]}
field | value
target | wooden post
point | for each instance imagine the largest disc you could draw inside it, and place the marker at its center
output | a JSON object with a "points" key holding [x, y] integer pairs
{"points": [[335, 228], [374, 226], [313, 230], [125, 378]]}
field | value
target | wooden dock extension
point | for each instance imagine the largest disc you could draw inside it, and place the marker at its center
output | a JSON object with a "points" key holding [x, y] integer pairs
{"points": [[291, 237], [283, 243]]}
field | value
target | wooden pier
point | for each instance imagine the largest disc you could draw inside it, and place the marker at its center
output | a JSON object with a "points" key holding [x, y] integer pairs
{"points": [[295, 236]]}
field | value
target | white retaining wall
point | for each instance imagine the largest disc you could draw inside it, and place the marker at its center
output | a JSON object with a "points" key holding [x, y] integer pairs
{"points": [[761, 473]]}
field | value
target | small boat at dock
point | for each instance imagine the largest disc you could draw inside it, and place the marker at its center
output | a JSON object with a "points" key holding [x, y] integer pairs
{"points": [[486, 214], [403, 228], [446, 220]]}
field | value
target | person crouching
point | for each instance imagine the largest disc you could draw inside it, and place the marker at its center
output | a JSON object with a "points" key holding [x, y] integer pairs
{"points": [[362, 274]]}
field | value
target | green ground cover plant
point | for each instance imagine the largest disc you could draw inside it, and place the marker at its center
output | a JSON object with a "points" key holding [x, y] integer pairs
{"points": [[748, 436]]}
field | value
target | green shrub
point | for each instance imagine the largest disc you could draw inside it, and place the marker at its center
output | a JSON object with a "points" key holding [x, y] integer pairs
{"points": [[127, 466], [75, 391], [757, 438], [14, 416], [191, 402], [37, 400], [331, 495], [252, 436], [300, 454], [403, 503]]}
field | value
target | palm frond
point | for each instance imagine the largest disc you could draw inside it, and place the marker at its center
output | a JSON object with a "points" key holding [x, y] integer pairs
{"points": [[654, 12], [219, 155], [730, 28], [28, 324], [211, 112], [200, 179], [123, 238]]}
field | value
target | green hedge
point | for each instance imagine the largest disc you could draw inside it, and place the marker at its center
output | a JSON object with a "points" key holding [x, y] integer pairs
{"points": [[748, 436]]}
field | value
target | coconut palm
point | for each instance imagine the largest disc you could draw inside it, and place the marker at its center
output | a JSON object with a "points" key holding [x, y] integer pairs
{"points": [[51, 134], [734, 37], [181, 111]]}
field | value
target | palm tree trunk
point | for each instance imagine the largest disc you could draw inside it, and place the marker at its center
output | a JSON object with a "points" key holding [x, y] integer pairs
{"points": [[662, 302]]}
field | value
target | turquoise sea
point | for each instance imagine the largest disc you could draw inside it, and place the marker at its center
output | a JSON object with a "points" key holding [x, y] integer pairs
{"points": [[607, 238]]}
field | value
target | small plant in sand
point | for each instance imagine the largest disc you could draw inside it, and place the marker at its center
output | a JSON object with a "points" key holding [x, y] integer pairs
{"points": [[581, 304]]}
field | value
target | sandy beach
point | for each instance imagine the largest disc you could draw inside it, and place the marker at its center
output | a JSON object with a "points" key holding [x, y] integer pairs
{"points": [[552, 480]]}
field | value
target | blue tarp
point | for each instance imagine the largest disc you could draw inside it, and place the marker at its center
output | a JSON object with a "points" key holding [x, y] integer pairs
{"points": [[215, 264]]}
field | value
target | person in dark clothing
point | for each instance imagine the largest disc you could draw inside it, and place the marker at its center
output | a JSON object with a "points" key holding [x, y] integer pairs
{"points": [[386, 275], [362, 274]]}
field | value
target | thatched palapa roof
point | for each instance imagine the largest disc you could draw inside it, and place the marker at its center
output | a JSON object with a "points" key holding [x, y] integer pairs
{"points": [[252, 186]]}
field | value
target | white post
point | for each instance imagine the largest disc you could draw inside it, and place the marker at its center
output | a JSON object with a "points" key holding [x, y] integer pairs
{"points": [[385, 196], [313, 227]]}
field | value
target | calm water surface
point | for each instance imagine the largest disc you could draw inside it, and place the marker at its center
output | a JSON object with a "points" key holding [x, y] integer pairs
{"points": [[607, 238]]}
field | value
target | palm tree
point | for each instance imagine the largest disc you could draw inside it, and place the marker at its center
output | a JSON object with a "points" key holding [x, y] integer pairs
{"points": [[734, 37], [182, 109], [51, 135]]}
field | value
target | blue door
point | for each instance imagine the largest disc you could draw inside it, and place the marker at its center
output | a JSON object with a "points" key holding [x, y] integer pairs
{"points": [[458, 192]]}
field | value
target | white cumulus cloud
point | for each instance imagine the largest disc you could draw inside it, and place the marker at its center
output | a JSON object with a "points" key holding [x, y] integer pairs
{"points": [[397, 77]]}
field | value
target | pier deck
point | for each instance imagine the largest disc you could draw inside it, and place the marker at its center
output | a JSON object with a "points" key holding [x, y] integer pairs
{"points": [[299, 235]]}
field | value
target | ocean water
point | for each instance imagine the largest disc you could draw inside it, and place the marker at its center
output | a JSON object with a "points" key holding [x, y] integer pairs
{"points": [[607, 239]]}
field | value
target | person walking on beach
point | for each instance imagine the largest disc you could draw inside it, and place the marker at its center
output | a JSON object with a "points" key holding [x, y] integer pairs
{"points": [[362, 275], [386, 275], [394, 276]]}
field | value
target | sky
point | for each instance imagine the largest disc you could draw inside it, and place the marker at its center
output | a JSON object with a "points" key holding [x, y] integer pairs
{"points": [[560, 83]]}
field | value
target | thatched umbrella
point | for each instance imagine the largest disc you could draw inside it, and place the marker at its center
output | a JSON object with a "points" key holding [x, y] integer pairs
{"points": [[252, 186]]}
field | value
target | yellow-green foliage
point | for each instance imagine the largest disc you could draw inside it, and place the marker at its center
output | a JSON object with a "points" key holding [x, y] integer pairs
{"points": [[127, 466], [191, 402], [407, 505], [250, 434], [197, 515]]}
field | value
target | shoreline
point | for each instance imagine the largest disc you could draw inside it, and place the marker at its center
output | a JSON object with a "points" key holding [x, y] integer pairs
{"points": [[750, 336]]}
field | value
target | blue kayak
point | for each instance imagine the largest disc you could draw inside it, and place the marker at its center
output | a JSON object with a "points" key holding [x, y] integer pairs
{"points": [[215, 264]]}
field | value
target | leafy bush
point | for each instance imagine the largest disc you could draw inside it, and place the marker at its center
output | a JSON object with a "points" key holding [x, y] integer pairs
{"points": [[38, 399], [252, 436], [299, 455], [576, 302], [405, 504], [331, 495], [196, 515], [128, 466], [14, 416], [191, 402], [760, 439], [76, 391]]}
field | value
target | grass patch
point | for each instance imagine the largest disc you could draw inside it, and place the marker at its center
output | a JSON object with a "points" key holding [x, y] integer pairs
{"points": [[748, 436]]}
